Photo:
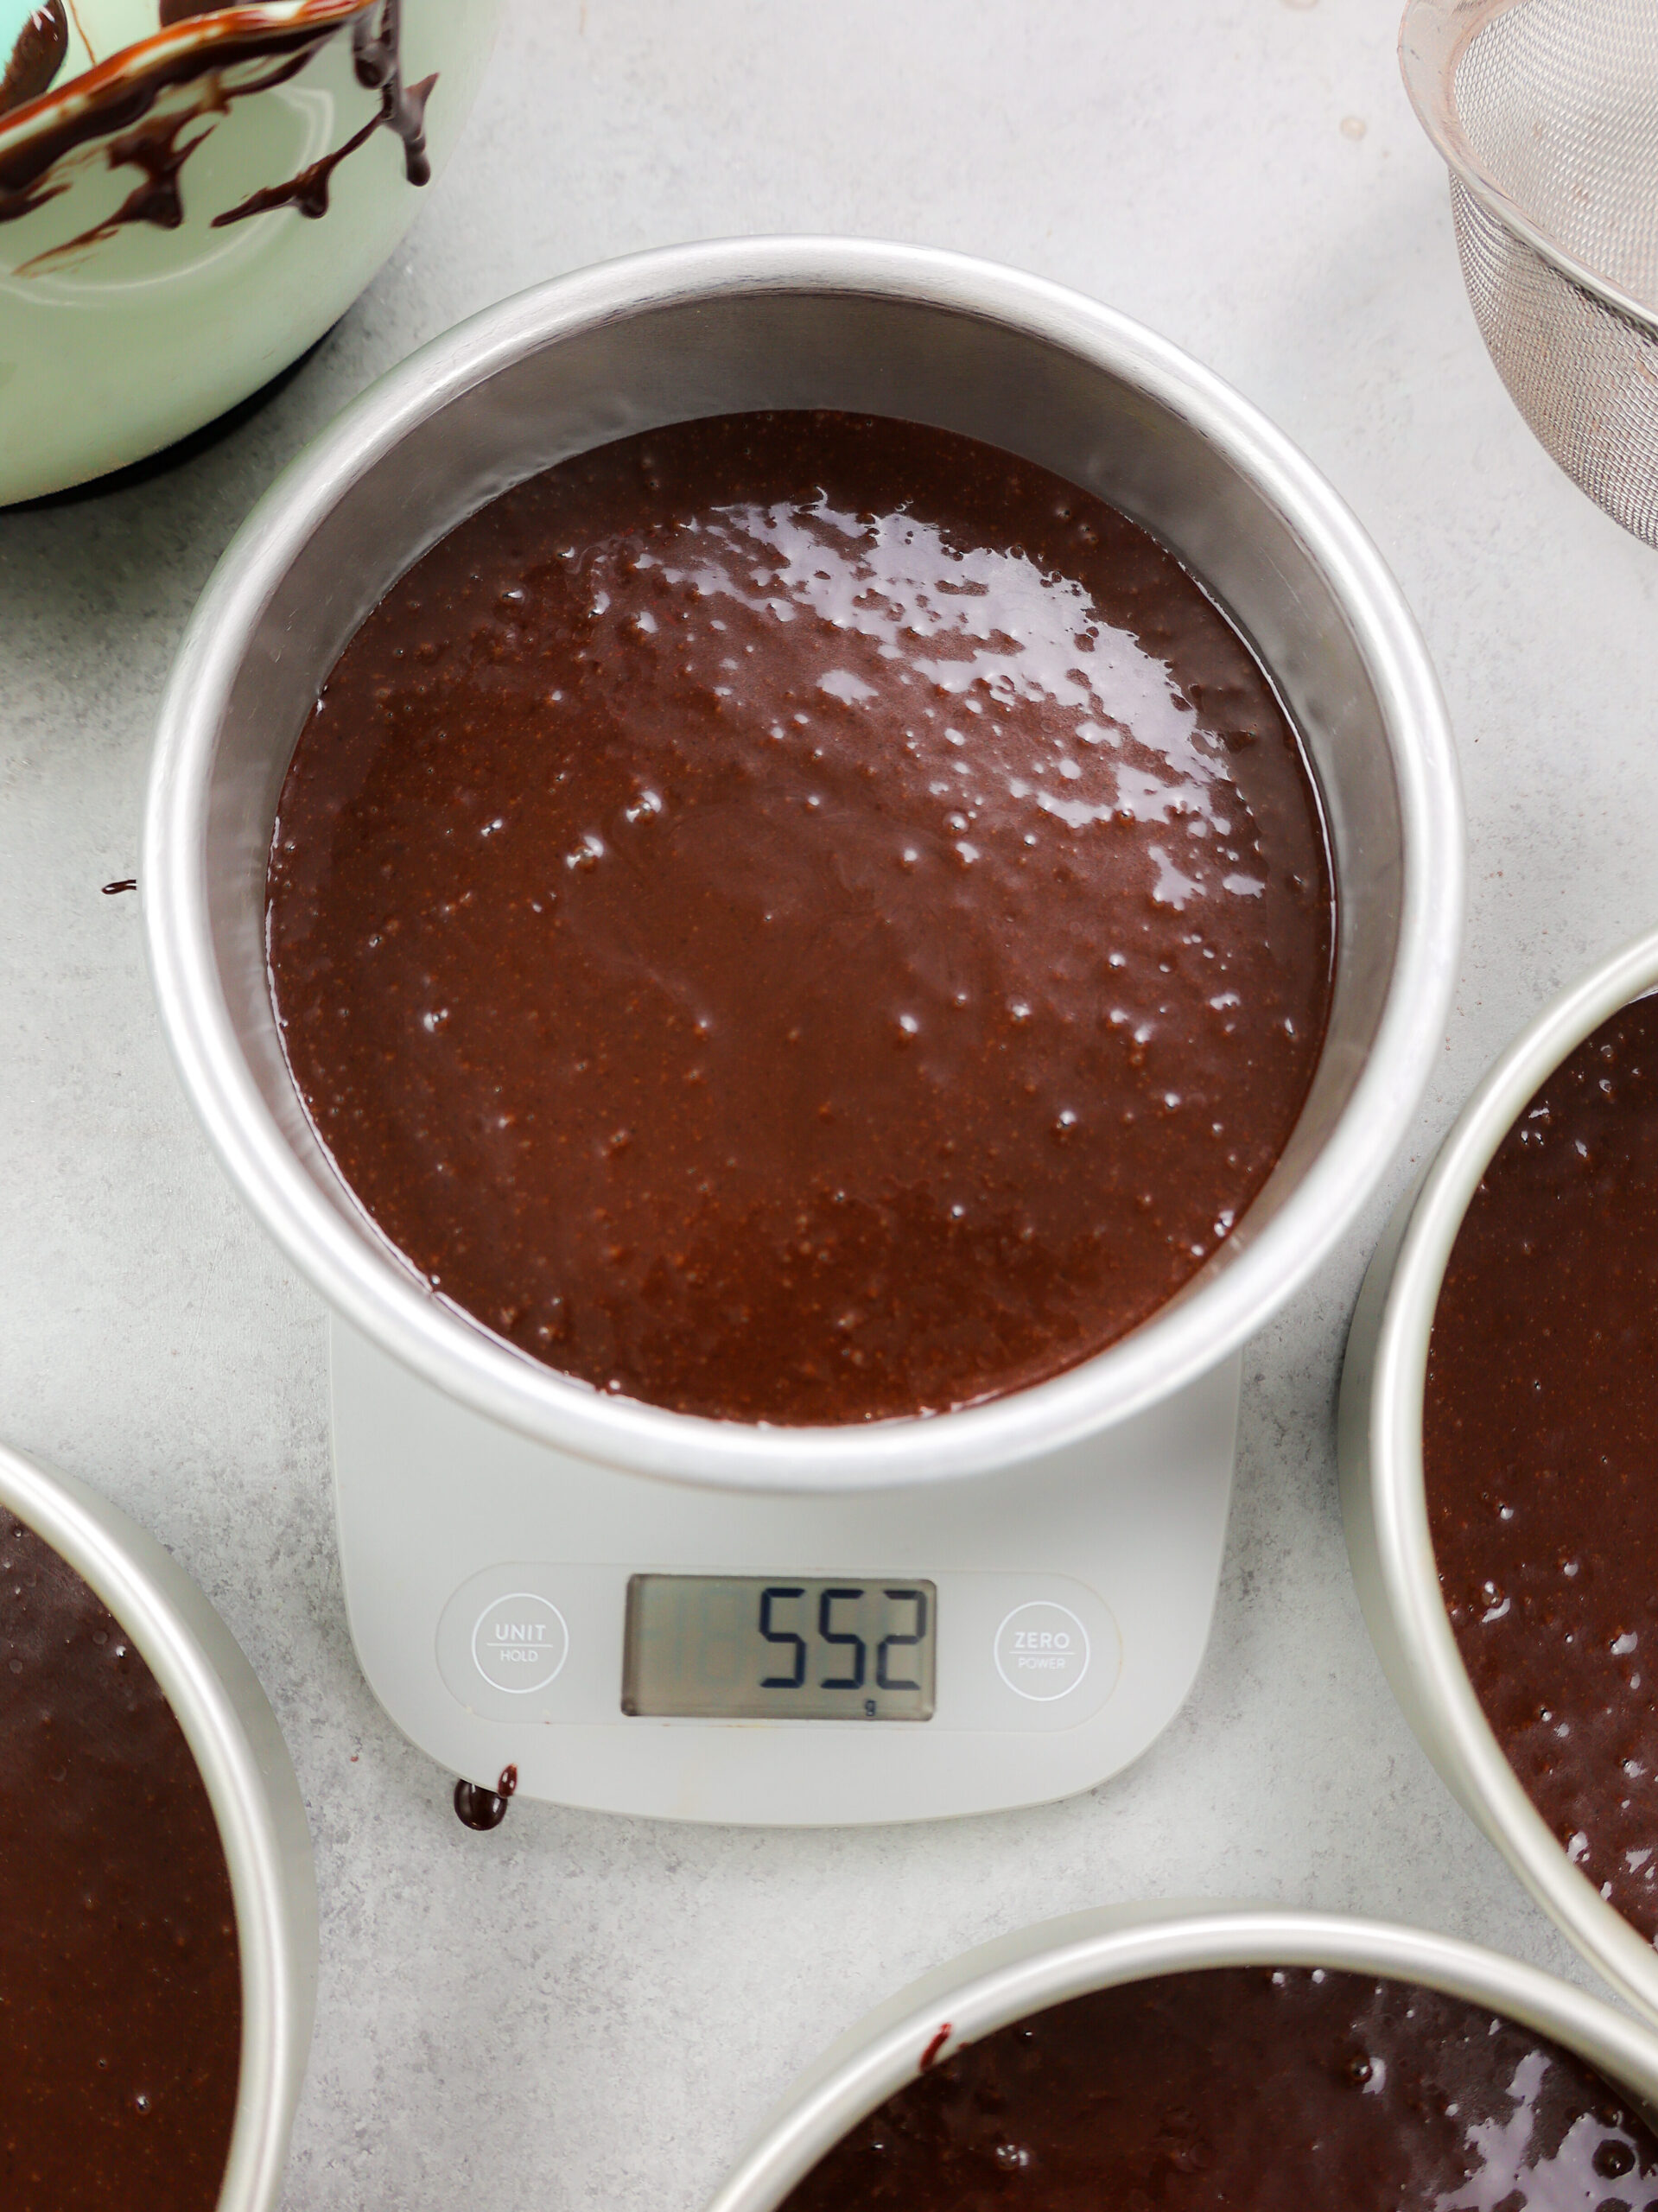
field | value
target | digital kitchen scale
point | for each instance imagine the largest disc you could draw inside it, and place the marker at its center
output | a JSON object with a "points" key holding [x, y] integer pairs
{"points": [[641, 1646]]}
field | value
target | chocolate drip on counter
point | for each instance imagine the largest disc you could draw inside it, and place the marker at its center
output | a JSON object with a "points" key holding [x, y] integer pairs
{"points": [[478, 1807], [1283, 2091], [801, 917], [36, 57], [120, 1990], [1540, 1448]]}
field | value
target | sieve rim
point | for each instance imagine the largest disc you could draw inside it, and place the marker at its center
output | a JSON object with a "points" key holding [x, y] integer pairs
{"points": [[1433, 35]]}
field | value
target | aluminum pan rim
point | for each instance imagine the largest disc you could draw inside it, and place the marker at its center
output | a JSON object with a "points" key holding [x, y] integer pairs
{"points": [[372, 1293], [1433, 35], [1045, 1965], [275, 1918], [1398, 1485]]}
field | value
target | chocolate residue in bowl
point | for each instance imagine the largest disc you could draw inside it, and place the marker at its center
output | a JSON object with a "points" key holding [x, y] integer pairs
{"points": [[1285, 2090], [120, 1987], [402, 111], [120, 111], [802, 918], [480, 1808], [1540, 1444], [120, 102]]}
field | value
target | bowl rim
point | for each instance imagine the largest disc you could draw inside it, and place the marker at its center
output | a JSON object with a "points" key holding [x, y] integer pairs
{"points": [[1433, 1216], [249, 1776], [1045, 1964], [1433, 35], [387, 1303], [63, 103]]}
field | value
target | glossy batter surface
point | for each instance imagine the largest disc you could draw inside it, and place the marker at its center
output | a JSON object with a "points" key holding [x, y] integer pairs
{"points": [[1249, 2090], [801, 919], [1540, 1448], [120, 1991]]}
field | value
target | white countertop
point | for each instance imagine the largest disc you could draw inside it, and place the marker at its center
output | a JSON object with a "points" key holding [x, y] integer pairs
{"points": [[578, 2010]]}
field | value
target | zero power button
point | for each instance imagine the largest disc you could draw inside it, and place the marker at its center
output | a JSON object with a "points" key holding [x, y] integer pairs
{"points": [[1042, 1650], [520, 1643]]}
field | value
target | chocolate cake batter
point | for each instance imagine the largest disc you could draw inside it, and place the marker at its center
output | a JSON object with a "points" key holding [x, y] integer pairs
{"points": [[120, 1991], [801, 919], [1540, 1446], [1285, 2091]]}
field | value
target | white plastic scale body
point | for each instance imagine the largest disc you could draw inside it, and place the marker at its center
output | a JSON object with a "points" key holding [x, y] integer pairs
{"points": [[644, 1647]]}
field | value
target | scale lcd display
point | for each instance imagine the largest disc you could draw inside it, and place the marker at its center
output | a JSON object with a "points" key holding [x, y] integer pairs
{"points": [[783, 1647]]}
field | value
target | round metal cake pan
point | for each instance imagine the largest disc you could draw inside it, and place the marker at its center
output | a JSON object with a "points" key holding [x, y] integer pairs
{"points": [[1384, 1501], [1026, 1972], [238, 1749], [797, 323]]}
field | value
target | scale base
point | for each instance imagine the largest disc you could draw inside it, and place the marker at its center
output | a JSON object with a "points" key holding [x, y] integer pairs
{"points": [[455, 1534]]}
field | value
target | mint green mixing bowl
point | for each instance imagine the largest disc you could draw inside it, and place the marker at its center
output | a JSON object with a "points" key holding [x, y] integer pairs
{"points": [[189, 197]]}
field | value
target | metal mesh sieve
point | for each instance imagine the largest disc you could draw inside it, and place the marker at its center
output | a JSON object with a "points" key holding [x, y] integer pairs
{"points": [[1546, 111]]}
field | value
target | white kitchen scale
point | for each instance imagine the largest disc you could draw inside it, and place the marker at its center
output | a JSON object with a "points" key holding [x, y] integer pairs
{"points": [[641, 1646]]}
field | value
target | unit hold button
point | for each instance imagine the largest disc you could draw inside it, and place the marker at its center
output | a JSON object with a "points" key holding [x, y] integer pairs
{"points": [[520, 1643], [1042, 1650]]}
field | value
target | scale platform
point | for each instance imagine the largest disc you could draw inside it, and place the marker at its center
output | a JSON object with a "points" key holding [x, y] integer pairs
{"points": [[636, 1646]]}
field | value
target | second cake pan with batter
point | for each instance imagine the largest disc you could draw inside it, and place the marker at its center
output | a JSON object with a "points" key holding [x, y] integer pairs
{"points": [[1384, 1488]]}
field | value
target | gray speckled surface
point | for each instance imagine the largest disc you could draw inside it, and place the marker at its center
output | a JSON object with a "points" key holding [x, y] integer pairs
{"points": [[579, 2010]]}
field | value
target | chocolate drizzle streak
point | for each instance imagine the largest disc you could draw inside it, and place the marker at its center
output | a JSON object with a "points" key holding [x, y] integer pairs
{"points": [[379, 67], [121, 110], [403, 109], [118, 105], [36, 58], [152, 146]]}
